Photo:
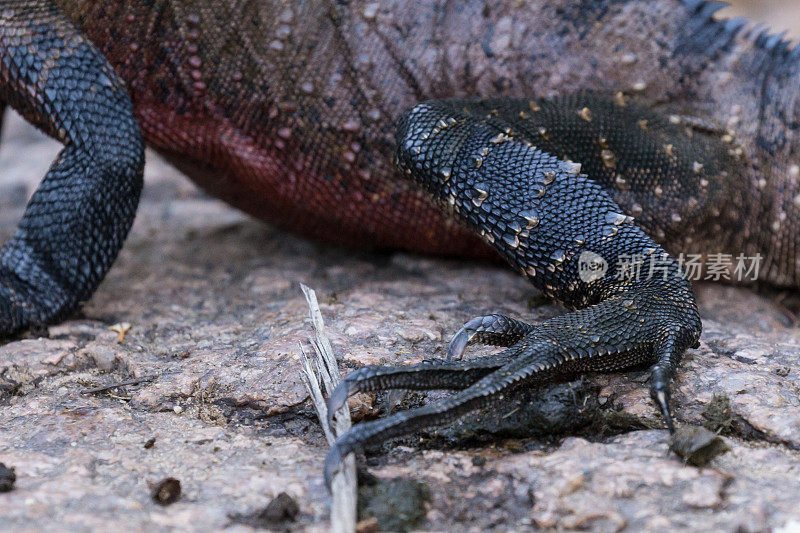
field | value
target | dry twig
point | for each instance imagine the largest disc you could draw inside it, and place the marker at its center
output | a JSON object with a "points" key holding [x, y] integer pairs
{"points": [[323, 368], [135, 381]]}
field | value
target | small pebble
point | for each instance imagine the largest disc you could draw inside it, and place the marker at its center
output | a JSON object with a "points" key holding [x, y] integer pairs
{"points": [[478, 461], [696, 445], [7, 478], [282, 508], [167, 491]]}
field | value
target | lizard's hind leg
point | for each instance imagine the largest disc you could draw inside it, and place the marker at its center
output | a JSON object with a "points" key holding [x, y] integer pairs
{"points": [[488, 164]]}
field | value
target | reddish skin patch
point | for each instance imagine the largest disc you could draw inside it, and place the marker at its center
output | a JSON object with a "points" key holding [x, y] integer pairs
{"points": [[230, 166]]}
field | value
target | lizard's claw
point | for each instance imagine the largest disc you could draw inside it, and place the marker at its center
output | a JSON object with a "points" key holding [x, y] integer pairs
{"points": [[460, 341], [660, 393], [493, 330]]}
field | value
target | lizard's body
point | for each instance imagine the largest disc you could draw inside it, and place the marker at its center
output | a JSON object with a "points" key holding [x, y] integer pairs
{"points": [[288, 110], [294, 111]]}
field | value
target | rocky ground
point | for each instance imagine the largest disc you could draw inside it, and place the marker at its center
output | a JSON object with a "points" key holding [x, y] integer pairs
{"points": [[217, 322]]}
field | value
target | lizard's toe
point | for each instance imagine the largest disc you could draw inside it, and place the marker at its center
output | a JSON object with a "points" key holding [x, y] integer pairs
{"points": [[662, 400], [493, 330], [428, 375], [588, 340]]}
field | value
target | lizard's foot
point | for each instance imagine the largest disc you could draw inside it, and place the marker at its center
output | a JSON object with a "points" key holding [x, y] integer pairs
{"points": [[498, 166], [589, 340]]}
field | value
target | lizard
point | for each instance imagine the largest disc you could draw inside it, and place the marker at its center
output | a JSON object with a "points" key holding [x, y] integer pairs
{"points": [[532, 131]]}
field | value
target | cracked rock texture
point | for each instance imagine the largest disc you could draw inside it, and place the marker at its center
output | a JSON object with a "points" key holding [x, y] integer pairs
{"points": [[217, 323]]}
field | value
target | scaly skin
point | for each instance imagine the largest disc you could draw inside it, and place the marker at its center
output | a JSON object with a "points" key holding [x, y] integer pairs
{"points": [[288, 111], [482, 160], [76, 222]]}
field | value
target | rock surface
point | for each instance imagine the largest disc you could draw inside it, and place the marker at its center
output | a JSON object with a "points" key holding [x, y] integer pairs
{"points": [[217, 324]]}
